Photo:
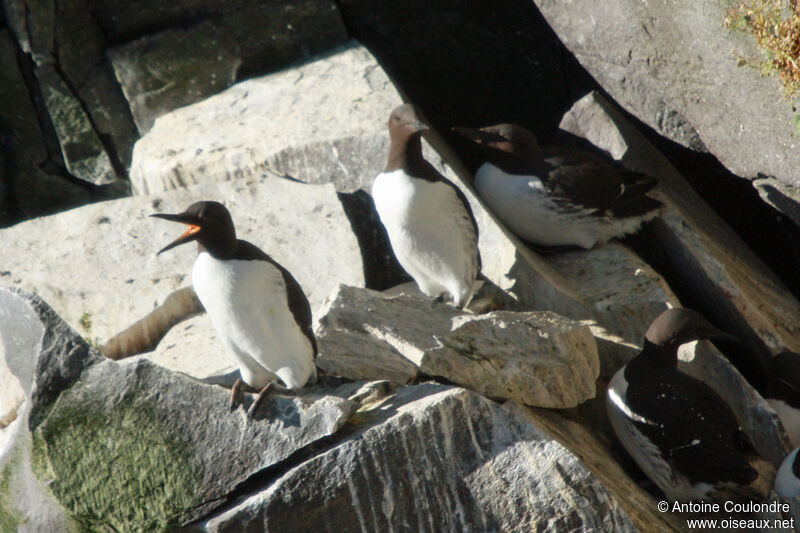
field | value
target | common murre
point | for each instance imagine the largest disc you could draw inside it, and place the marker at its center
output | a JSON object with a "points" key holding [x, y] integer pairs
{"points": [[257, 308], [783, 392], [557, 196], [429, 222], [679, 431]]}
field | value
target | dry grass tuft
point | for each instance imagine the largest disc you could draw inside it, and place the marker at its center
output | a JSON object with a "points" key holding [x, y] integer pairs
{"points": [[776, 26]]}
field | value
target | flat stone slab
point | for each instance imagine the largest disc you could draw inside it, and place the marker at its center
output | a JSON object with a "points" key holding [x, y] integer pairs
{"points": [[324, 121], [174, 68], [536, 358], [102, 273], [433, 458]]}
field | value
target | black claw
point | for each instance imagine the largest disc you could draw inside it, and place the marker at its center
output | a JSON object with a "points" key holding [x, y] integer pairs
{"points": [[236, 395], [259, 397]]}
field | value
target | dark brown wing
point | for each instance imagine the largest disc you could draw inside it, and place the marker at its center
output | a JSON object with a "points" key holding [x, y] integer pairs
{"points": [[592, 181]]}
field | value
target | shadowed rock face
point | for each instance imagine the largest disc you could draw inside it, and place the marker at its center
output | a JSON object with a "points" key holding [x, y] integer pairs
{"points": [[671, 65]]}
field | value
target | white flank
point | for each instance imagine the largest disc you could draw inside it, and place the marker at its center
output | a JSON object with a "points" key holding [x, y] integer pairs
{"points": [[431, 233], [524, 205], [248, 306], [786, 483]]}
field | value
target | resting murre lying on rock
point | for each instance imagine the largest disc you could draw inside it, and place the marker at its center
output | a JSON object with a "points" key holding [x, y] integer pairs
{"points": [[429, 222], [783, 392], [679, 431], [257, 308], [557, 196]]}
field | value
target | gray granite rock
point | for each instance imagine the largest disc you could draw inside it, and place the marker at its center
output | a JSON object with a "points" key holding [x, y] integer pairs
{"points": [[83, 151], [30, 192], [323, 121], [147, 431], [174, 68], [109, 248], [672, 65], [39, 353], [271, 33], [133, 446], [433, 458], [536, 358]]}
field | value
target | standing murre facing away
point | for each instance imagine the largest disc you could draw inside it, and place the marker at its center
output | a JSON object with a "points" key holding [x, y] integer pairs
{"points": [[429, 222], [557, 196], [679, 431], [783, 392], [257, 308]]}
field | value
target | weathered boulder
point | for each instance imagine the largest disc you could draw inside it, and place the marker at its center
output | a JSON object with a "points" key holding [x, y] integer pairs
{"points": [[586, 440], [193, 348], [432, 458], [30, 192], [110, 248], [271, 33], [131, 445], [536, 358], [320, 122], [84, 154], [672, 65], [174, 68], [718, 272], [624, 293], [37, 349]]}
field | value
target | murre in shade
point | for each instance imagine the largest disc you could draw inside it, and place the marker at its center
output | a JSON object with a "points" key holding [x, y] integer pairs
{"points": [[787, 480], [429, 222], [257, 308], [557, 196], [679, 431], [783, 392]]}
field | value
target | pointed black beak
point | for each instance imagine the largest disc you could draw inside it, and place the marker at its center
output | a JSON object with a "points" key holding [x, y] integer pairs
{"points": [[420, 126], [718, 335], [479, 136], [191, 234]]}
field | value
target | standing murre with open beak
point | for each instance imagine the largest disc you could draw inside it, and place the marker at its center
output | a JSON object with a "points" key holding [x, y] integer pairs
{"points": [[429, 222], [557, 195], [679, 431], [257, 308]]}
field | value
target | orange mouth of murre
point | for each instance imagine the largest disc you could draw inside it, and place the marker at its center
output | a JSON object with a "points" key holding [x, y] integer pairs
{"points": [[192, 230]]}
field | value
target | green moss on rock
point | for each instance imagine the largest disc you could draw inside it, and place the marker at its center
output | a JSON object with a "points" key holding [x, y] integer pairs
{"points": [[123, 468], [10, 519]]}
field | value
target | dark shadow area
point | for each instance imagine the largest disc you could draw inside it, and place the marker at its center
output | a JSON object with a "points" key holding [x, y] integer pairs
{"points": [[451, 57], [381, 269]]}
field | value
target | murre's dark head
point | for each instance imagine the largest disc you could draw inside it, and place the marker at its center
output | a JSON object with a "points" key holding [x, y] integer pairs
{"points": [[678, 326], [210, 224], [405, 122], [508, 138]]}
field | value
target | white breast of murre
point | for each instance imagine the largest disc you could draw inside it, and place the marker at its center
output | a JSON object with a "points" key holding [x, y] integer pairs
{"points": [[790, 419], [786, 483], [647, 455], [431, 233], [525, 205], [248, 306]]}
